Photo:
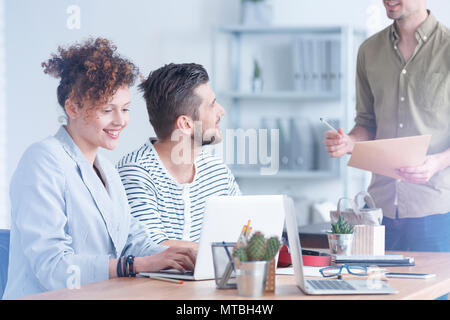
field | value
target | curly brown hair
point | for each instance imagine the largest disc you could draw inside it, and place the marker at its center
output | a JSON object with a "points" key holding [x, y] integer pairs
{"points": [[91, 71]]}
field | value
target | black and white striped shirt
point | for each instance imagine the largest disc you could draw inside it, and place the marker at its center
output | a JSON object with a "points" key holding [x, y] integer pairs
{"points": [[169, 210]]}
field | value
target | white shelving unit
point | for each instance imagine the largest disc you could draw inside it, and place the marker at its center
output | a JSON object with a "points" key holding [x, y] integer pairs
{"points": [[234, 37]]}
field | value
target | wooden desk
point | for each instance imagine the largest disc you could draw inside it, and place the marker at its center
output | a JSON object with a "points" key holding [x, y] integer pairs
{"points": [[286, 289]]}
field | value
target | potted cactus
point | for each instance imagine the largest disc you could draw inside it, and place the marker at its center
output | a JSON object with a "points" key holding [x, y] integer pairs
{"points": [[251, 260], [340, 239], [258, 248]]}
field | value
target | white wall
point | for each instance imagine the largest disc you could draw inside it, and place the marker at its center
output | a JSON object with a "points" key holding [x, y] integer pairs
{"points": [[151, 33]]}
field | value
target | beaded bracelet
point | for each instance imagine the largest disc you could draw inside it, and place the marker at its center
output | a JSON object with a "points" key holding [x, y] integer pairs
{"points": [[130, 261]]}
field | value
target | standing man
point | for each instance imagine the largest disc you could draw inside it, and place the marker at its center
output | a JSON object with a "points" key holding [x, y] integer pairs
{"points": [[403, 89], [169, 178]]}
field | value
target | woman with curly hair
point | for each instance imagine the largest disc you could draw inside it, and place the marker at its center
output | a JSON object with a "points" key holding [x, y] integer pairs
{"points": [[69, 211]]}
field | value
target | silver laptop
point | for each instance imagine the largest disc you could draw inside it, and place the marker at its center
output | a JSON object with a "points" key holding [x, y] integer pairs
{"points": [[325, 286], [223, 221]]}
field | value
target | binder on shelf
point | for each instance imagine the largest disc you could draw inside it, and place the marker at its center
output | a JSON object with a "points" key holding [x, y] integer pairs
{"points": [[328, 57], [317, 63], [315, 58], [302, 145], [335, 66], [285, 143], [323, 65], [299, 65]]}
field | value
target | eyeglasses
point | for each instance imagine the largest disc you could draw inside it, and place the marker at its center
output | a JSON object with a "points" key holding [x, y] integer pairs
{"points": [[328, 272]]}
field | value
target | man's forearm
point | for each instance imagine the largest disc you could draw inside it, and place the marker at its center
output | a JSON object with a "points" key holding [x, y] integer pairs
{"points": [[181, 243]]}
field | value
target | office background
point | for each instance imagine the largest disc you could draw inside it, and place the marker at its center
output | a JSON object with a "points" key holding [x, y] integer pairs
{"points": [[152, 33]]}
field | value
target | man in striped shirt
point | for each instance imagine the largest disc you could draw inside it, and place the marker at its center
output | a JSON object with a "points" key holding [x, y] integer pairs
{"points": [[169, 178]]}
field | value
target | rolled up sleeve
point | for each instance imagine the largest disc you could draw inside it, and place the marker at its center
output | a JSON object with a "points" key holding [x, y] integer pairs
{"points": [[365, 115]]}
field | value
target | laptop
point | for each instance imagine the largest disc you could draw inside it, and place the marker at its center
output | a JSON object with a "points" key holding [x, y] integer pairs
{"points": [[325, 286], [223, 221]]}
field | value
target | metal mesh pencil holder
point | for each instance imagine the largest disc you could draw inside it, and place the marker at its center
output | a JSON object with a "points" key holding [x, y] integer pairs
{"points": [[224, 271]]}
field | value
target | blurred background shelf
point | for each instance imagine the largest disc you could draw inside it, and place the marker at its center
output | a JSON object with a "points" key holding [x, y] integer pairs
{"points": [[242, 29], [285, 174], [303, 73], [278, 95]]}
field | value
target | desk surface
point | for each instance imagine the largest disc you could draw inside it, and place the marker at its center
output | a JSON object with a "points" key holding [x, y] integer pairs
{"points": [[286, 289]]}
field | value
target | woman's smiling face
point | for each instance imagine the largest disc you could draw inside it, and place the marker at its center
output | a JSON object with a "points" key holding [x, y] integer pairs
{"points": [[100, 126]]}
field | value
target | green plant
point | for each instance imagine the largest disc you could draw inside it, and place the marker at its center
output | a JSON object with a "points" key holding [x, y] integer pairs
{"points": [[273, 245], [241, 254], [258, 248], [341, 227], [256, 69]]}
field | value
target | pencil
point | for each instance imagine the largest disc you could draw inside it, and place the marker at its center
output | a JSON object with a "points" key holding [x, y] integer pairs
{"points": [[241, 238], [167, 279], [248, 233], [325, 122]]}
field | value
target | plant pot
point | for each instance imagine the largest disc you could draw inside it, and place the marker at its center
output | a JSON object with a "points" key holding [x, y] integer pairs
{"points": [[340, 244], [257, 13], [257, 85], [251, 278]]}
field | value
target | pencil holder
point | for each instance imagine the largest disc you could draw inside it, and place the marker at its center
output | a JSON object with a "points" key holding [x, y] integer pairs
{"points": [[224, 271], [270, 281]]}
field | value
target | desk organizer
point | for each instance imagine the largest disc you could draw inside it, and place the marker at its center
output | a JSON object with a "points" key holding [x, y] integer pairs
{"points": [[224, 271]]}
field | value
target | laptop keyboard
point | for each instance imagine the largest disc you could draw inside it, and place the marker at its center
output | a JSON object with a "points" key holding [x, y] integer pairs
{"points": [[175, 271], [330, 285]]}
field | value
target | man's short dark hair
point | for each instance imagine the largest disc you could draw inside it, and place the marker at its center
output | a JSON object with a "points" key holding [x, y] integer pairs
{"points": [[169, 93]]}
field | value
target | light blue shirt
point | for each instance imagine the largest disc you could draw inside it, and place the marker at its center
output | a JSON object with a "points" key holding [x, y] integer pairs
{"points": [[65, 225]]}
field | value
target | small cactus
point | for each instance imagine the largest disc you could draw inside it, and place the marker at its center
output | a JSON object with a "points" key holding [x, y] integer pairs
{"points": [[241, 254], [256, 247], [273, 245]]}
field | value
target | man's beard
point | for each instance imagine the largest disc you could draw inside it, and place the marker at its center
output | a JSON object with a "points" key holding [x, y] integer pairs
{"points": [[206, 137], [202, 140]]}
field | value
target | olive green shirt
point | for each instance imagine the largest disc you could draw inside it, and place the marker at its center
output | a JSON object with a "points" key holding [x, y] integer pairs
{"points": [[395, 99]]}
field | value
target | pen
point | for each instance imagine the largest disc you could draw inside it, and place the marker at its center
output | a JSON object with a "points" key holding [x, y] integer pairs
{"points": [[325, 122], [167, 279], [228, 269]]}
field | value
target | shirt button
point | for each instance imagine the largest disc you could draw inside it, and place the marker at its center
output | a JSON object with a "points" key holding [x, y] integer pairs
{"points": [[402, 99], [400, 125], [404, 71], [424, 37], [395, 47]]}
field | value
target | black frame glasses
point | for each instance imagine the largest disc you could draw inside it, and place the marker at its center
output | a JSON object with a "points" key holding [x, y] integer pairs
{"points": [[328, 272]]}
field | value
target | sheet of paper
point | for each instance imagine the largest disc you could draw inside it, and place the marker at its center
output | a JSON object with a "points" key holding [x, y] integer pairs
{"points": [[309, 271], [383, 156]]}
